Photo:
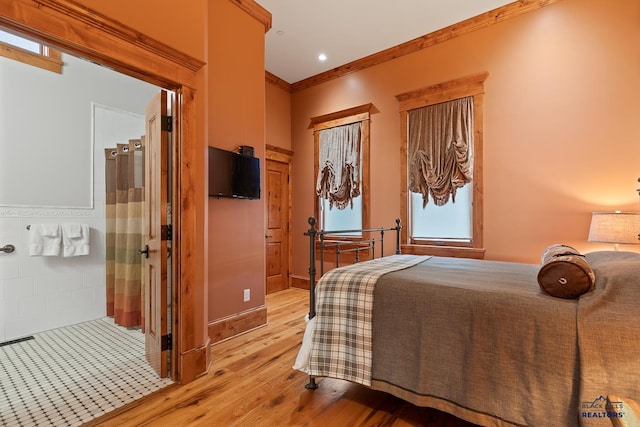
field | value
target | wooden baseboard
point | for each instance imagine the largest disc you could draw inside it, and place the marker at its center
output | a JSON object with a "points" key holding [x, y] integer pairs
{"points": [[223, 329], [299, 282], [195, 363]]}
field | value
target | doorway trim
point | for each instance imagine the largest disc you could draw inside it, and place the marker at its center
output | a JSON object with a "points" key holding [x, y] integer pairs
{"points": [[283, 155], [85, 33]]}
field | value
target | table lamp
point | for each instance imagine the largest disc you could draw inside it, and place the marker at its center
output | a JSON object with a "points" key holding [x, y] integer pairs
{"points": [[615, 227]]}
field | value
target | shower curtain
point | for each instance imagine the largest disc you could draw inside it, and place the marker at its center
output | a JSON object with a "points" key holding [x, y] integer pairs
{"points": [[124, 178]]}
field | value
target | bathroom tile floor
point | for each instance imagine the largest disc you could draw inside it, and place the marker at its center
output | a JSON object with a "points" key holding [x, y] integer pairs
{"points": [[70, 375]]}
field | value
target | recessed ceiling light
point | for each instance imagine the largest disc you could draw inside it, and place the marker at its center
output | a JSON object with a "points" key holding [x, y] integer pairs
{"points": [[322, 57]]}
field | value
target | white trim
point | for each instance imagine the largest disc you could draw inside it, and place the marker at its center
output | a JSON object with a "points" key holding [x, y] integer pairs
{"points": [[30, 211]]}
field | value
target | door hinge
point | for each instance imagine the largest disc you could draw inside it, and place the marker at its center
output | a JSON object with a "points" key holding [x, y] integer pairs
{"points": [[166, 343], [167, 123], [166, 231]]}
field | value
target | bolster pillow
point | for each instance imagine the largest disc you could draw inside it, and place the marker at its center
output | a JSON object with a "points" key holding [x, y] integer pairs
{"points": [[565, 273]]}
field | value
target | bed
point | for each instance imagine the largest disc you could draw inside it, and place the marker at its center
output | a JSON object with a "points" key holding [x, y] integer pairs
{"points": [[479, 339]]}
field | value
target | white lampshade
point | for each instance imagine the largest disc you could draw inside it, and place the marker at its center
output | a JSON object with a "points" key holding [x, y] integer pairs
{"points": [[615, 227]]}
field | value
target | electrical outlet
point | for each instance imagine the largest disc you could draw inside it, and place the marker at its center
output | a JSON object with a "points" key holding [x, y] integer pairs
{"points": [[247, 295]]}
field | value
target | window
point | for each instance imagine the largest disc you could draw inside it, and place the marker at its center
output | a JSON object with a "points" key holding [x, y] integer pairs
{"points": [[451, 222], [29, 52], [441, 194], [342, 169]]}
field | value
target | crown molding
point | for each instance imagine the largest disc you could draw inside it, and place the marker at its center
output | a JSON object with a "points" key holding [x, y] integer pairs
{"points": [[277, 81], [467, 26], [256, 11]]}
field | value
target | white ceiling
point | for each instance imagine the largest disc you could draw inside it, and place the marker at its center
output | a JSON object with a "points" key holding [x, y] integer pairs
{"points": [[346, 30]]}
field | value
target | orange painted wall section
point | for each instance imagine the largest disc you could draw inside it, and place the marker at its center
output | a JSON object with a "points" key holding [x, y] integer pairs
{"points": [[180, 26], [561, 133], [235, 116], [278, 116]]}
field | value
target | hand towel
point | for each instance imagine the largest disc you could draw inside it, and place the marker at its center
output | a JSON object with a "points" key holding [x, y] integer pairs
{"points": [[44, 240], [75, 239], [73, 230]]}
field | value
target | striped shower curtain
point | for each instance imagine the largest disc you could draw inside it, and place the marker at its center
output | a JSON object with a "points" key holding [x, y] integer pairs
{"points": [[124, 177]]}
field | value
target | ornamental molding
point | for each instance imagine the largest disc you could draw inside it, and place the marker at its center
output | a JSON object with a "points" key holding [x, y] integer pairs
{"points": [[16, 212]]}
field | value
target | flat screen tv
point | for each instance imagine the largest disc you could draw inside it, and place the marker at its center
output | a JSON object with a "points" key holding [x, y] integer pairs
{"points": [[233, 175]]}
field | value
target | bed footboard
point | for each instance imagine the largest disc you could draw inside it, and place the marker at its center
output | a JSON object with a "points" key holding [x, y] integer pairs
{"points": [[318, 237]]}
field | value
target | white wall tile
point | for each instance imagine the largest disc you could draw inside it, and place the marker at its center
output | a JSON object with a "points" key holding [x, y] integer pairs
{"points": [[47, 284], [94, 278], [9, 308], [9, 266], [100, 301], [46, 321], [71, 281], [15, 289], [34, 309], [32, 306], [60, 301], [18, 328]]}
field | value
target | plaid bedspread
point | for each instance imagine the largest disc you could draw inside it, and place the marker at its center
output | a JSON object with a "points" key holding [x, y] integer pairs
{"points": [[341, 346]]}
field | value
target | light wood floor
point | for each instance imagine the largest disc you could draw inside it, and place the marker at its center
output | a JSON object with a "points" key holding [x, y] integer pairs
{"points": [[251, 383]]}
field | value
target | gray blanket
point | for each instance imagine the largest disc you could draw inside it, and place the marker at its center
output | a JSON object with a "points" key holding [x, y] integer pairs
{"points": [[478, 339], [609, 337]]}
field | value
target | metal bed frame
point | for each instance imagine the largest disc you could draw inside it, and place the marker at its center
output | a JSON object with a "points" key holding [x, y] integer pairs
{"points": [[319, 236]]}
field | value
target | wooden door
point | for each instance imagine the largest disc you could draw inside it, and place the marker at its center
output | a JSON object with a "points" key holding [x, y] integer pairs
{"points": [[277, 233], [155, 221]]}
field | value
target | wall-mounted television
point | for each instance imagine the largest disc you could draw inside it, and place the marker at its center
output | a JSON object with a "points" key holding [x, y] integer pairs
{"points": [[233, 175]]}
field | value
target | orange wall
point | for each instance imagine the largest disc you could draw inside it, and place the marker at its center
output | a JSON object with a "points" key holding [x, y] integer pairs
{"points": [[278, 114], [231, 112], [235, 116], [560, 120], [181, 28]]}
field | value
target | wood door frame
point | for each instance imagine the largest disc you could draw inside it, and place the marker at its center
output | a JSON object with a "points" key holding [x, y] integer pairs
{"points": [[82, 32], [283, 155]]}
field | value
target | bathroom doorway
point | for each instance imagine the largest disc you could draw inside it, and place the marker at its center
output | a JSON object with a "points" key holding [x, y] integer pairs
{"points": [[43, 298], [102, 40]]}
